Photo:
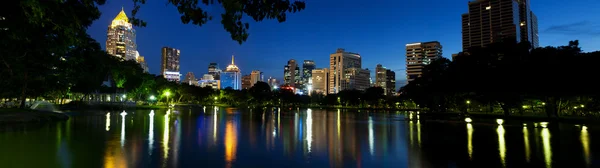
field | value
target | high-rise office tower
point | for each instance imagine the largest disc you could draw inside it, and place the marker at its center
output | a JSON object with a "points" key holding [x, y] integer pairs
{"points": [[390, 82], [120, 40], [169, 65], [213, 69], [490, 21], [356, 79], [246, 82], [231, 77], [338, 63], [291, 73], [320, 80], [386, 79], [255, 76], [307, 68], [419, 55], [190, 79]]}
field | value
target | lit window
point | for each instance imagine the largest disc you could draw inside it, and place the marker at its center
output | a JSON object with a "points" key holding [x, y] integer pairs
{"points": [[488, 7], [522, 23]]}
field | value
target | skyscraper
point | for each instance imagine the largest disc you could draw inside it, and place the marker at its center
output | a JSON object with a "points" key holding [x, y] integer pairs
{"points": [[386, 79], [356, 79], [390, 82], [190, 79], [213, 69], [490, 21], [255, 76], [232, 77], [120, 40], [419, 55], [169, 65], [320, 80], [338, 63], [307, 68], [291, 73], [246, 82]]}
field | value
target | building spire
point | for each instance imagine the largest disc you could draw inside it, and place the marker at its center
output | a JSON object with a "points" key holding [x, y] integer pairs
{"points": [[122, 8], [232, 60]]}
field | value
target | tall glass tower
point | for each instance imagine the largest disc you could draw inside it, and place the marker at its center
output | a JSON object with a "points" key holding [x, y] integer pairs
{"points": [[231, 77]]}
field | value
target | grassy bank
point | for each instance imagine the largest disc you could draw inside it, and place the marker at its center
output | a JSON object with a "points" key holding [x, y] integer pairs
{"points": [[15, 115]]}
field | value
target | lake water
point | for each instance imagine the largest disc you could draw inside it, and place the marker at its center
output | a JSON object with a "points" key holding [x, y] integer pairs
{"points": [[227, 137]]}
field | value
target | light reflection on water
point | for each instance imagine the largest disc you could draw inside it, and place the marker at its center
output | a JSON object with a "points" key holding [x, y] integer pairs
{"points": [[282, 138]]}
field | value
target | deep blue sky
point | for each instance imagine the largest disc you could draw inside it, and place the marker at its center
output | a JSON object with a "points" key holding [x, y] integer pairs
{"points": [[378, 30]]}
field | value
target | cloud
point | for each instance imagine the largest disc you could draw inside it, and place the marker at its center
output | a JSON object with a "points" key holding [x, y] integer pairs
{"points": [[577, 28]]}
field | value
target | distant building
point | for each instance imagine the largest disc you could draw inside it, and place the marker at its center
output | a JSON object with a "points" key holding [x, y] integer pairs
{"points": [[142, 61], [386, 79], [419, 55], [490, 21], [120, 40], [255, 76], [190, 79], [291, 73], [320, 80], [273, 82], [390, 83], [246, 82], [231, 77], [356, 79], [209, 81], [338, 63], [307, 68], [213, 69], [169, 66]]}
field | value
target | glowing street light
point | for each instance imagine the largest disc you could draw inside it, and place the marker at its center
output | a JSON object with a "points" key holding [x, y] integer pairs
{"points": [[216, 98], [152, 97], [124, 96], [468, 102], [582, 106], [167, 93], [499, 121], [468, 120], [543, 103]]}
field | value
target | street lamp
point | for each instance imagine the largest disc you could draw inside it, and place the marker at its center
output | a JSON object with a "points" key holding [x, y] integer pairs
{"points": [[123, 97], [152, 97], [167, 93], [468, 105]]}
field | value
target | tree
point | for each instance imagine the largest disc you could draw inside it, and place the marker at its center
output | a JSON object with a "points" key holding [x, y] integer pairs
{"points": [[258, 10]]}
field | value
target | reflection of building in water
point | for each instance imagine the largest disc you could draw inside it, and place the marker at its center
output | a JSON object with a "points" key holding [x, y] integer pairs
{"points": [[585, 142], [414, 148], [334, 140], [230, 142], [289, 131], [114, 155], [165, 140], [547, 147], [501, 144]]}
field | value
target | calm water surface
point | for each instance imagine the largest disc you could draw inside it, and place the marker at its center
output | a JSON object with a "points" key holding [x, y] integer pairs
{"points": [[227, 137]]}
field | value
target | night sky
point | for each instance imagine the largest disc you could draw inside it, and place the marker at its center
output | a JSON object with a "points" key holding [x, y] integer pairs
{"points": [[377, 29]]}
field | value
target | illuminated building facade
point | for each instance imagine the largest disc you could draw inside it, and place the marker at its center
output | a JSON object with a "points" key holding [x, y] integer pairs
{"points": [[490, 21], [246, 82], [320, 80], [209, 81], [307, 68], [255, 76], [190, 79], [356, 79], [419, 55], [386, 79], [120, 40], [169, 65], [213, 69], [338, 63], [231, 77], [291, 73]]}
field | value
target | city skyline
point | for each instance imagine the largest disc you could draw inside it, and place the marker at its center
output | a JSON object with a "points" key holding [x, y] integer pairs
{"points": [[380, 42]]}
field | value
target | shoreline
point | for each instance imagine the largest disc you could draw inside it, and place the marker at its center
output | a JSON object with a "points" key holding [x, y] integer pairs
{"points": [[20, 116]]}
